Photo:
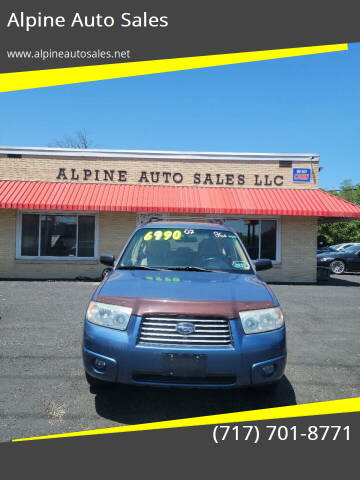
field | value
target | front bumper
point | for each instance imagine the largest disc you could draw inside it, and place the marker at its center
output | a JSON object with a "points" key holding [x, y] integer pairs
{"points": [[324, 263], [241, 364]]}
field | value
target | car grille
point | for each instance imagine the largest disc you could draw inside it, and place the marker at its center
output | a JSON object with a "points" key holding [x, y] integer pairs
{"points": [[162, 331], [210, 380]]}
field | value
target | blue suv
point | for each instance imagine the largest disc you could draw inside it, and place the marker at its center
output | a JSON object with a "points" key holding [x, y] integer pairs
{"points": [[183, 306]]}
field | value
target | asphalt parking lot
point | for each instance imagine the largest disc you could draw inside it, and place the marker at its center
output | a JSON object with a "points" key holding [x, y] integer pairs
{"points": [[43, 389]]}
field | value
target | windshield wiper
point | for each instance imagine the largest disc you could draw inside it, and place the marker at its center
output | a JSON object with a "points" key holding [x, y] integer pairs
{"points": [[193, 269], [184, 269], [139, 267]]}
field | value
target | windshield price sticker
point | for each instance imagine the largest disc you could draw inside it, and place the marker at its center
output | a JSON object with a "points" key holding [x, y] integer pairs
{"points": [[163, 279], [224, 235], [163, 235], [239, 264]]}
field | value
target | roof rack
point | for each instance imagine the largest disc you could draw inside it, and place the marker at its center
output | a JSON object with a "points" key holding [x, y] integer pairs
{"points": [[219, 221]]}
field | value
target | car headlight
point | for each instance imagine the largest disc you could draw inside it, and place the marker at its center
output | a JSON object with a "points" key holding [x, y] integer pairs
{"points": [[111, 316], [325, 259], [257, 321]]}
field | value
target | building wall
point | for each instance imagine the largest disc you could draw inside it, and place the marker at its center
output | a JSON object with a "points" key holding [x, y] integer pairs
{"points": [[47, 169], [114, 230], [298, 250]]}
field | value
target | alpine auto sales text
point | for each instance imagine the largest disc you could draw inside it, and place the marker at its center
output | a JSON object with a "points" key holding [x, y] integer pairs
{"points": [[146, 177], [77, 20]]}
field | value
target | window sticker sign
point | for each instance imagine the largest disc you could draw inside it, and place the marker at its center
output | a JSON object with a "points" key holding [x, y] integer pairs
{"points": [[163, 235], [224, 235], [301, 174]]}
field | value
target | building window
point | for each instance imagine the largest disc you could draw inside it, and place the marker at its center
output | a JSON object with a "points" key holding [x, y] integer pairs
{"points": [[260, 237], [57, 236]]}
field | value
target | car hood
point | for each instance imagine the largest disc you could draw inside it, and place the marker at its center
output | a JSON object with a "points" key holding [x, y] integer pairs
{"points": [[185, 293]]}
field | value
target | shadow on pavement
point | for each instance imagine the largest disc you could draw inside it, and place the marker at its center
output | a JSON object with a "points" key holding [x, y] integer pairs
{"points": [[129, 404], [348, 280]]}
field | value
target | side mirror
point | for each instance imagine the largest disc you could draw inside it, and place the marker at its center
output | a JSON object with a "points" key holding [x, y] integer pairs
{"points": [[107, 260], [263, 265]]}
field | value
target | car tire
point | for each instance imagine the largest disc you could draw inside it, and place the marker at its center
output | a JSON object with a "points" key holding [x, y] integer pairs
{"points": [[105, 272], [96, 382], [337, 267]]}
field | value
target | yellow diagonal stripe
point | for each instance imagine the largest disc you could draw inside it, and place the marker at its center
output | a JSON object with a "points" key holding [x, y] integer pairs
{"points": [[321, 408], [63, 76]]}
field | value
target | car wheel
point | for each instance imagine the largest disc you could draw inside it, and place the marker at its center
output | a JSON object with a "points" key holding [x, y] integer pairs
{"points": [[337, 267], [105, 272], [96, 382]]}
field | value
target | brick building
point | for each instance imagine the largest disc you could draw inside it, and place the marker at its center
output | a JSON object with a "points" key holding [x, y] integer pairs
{"points": [[61, 208]]}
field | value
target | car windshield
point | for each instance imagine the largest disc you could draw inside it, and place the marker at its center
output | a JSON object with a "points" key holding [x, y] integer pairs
{"points": [[352, 249], [185, 249], [338, 246]]}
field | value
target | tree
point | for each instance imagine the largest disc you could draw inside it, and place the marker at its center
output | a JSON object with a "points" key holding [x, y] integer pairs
{"points": [[342, 232], [348, 191], [339, 232], [79, 140]]}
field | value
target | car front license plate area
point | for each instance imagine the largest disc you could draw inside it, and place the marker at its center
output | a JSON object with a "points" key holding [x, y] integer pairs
{"points": [[184, 365]]}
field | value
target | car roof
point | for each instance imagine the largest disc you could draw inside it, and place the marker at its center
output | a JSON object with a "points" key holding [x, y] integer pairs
{"points": [[185, 224]]}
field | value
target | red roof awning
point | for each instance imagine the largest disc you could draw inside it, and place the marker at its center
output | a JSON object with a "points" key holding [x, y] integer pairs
{"points": [[141, 198]]}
